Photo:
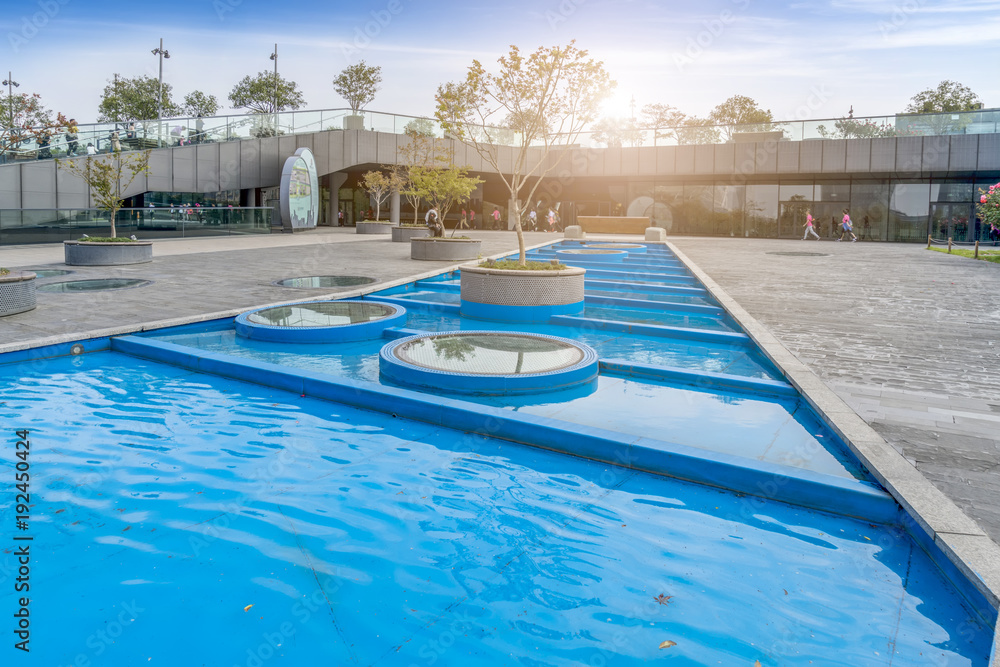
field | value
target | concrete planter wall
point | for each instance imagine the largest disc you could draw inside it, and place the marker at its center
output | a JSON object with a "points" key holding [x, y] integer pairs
{"points": [[354, 122], [521, 296], [445, 250], [404, 234], [91, 253], [17, 292], [374, 227]]}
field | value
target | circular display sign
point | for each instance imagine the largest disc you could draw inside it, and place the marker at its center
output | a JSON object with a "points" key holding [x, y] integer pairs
{"points": [[299, 191]]}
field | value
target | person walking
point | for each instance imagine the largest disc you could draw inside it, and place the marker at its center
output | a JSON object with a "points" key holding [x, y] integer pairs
{"points": [[496, 218], [846, 227], [472, 218], [809, 226], [532, 220], [116, 144], [72, 135], [463, 223], [340, 218]]}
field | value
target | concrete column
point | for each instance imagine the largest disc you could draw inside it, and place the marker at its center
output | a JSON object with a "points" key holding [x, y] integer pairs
{"points": [[394, 207]]}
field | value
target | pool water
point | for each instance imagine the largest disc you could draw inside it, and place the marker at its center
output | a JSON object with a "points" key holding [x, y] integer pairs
{"points": [[185, 518], [182, 518]]}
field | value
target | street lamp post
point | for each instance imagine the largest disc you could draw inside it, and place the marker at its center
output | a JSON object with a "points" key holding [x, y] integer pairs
{"points": [[274, 57], [11, 85], [162, 53]]}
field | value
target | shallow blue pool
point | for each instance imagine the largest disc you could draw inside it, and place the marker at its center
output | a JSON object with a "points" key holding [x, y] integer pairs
{"points": [[182, 517]]}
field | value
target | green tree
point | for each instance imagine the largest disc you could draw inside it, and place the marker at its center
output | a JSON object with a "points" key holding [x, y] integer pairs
{"points": [[135, 99], [108, 176], [358, 84], [431, 174], [422, 126], [550, 95], [664, 119], [948, 97], [380, 185], [197, 103], [741, 110], [23, 119], [264, 94], [617, 132]]}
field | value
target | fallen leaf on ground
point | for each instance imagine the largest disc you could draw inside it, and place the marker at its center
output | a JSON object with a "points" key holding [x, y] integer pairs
{"points": [[247, 608], [668, 644]]}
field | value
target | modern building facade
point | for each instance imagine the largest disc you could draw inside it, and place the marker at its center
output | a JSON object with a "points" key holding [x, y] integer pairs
{"points": [[907, 178]]}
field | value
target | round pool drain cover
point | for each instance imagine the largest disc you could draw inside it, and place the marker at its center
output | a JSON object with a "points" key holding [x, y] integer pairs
{"points": [[328, 282], [320, 321], [800, 254], [488, 362], [50, 273], [94, 285]]}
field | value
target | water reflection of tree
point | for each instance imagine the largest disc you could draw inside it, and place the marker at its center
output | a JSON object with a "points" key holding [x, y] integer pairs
{"points": [[453, 348]]}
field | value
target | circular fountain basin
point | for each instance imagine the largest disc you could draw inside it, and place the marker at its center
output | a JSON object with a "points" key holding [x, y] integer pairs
{"points": [[320, 321], [488, 362]]}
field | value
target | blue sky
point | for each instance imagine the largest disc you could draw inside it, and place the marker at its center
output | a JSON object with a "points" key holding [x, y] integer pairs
{"points": [[801, 59]]}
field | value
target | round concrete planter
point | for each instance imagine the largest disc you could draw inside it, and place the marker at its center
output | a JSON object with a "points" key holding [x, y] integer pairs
{"points": [[94, 253], [404, 234], [17, 292], [521, 296], [444, 250], [371, 227]]}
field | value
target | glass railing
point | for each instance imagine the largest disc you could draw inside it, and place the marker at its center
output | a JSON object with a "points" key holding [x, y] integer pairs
{"points": [[28, 226], [98, 138]]}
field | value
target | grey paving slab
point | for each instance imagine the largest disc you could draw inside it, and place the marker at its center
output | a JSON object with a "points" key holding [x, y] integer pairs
{"points": [[917, 329], [192, 277]]}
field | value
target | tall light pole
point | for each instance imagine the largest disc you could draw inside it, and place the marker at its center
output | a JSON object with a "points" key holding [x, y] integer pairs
{"points": [[11, 85], [162, 53], [274, 57]]}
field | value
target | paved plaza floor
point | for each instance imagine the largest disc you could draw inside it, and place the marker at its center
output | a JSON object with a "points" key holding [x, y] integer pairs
{"points": [[907, 337]]}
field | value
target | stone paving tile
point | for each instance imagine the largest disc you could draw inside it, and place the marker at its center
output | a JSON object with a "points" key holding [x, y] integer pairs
{"points": [[916, 330]]}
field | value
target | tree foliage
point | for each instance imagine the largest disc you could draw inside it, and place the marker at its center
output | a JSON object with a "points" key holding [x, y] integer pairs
{"points": [[23, 118], [856, 128], [431, 175], [949, 96], [380, 185], [358, 84], [617, 132], [422, 126], [197, 103], [545, 99], [741, 110], [126, 99], [107, 176], [265, 94]]}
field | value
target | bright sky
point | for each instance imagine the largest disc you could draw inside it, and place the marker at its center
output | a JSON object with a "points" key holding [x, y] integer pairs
{"points": [[798, 58]]}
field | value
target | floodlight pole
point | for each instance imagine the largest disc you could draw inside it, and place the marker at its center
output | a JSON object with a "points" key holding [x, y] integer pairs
{"points": [[11, 84], [274, 57], [162, 53]]}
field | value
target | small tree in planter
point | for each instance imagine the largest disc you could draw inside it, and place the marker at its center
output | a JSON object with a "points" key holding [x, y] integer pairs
{"points": [[536, 103], [442, 187], [379, 185], [107, 176], [358, 84]]}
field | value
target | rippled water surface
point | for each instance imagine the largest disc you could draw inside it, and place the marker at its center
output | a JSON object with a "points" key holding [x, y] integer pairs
{"points": [[183, 519]]}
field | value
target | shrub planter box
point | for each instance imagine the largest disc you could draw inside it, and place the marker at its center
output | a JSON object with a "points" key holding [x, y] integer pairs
{"points": [[94, 253], [354, 122], [372, 227], [17, 292], [506, 295], [404, 234], [445, 250]]}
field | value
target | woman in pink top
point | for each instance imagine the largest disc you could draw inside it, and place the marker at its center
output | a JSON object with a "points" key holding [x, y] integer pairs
{"points": [[847, 227], [809, 227]]}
